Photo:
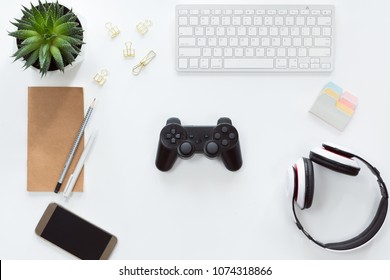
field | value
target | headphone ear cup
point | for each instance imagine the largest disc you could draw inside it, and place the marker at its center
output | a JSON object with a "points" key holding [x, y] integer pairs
{"points": [[309, 194], [304, 190], [334, 161]]}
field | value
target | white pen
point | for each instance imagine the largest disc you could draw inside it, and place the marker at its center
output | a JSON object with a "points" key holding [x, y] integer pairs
{"points": [[80, 164]]}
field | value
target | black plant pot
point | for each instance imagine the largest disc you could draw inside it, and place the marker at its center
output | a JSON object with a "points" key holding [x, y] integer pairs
{"points": [[53, 65]]}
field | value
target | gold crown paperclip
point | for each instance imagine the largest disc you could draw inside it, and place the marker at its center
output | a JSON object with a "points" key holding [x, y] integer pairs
{"points": [[100, 78], [112, 30], [145, 61], [143, 27], [128, 51]]}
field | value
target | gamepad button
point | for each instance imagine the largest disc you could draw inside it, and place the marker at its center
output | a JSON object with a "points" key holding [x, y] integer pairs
{"points": [[212, 148], [185, 149]]}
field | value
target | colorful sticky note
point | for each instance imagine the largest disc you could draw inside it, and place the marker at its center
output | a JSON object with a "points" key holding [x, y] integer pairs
{"points": [[334, 106]]}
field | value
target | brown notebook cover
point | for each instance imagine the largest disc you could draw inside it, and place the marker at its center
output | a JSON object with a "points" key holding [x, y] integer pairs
{"points": [[55, 115]]}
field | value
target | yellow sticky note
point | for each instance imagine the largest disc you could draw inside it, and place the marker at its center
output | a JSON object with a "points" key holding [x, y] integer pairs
{"points": [[331, 93], [349, 111]]}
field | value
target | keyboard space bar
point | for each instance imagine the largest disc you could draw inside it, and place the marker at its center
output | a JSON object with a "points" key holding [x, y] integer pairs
{"points": [[260, 63]]}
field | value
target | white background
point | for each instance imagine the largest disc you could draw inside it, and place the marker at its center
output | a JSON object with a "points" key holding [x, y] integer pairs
{"points": [[200, 210]]}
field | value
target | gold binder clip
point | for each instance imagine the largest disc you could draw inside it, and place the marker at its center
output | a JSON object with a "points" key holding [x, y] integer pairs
{"points": [[128, 51], [112, 30], [143, 27], [145, 61], [100, 78]]}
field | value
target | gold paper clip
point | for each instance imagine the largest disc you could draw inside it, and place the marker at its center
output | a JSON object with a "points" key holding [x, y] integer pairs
{"points": [[112, 30], [143, 27], [100, 78], [128, 51], [145, 61]]}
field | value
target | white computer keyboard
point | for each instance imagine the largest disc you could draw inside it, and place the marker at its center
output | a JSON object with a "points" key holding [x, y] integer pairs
{"points": [[255, 38]]}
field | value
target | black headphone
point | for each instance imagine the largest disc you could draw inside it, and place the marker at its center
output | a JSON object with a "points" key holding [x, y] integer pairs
{"points": [[301, 186]]}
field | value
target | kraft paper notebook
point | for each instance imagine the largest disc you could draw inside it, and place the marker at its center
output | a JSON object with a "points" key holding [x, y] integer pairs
{"points": [[55, 115]]}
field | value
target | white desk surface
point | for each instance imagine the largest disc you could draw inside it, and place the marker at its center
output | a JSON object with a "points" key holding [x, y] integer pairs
{"points": [[200, 210]]}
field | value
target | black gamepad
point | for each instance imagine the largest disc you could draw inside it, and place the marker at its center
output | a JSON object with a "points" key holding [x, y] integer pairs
{"points": [[177, 140]]}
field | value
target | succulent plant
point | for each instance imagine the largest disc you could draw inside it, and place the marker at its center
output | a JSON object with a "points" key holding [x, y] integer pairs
{"points": [[47, 35]]}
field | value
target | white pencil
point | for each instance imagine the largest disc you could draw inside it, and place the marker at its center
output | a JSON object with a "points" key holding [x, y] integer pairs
{"points": [[80, 164]]}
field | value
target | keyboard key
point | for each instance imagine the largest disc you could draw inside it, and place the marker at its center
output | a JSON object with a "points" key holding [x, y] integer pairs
{"points": [[194, 21], [216, 63], [324, 21], [249, 63], [204, 63], [186, 42], [206, 52], [194, 63], [183, 20], [228, 52], [199, 31], [238, 52], [326, 31], [319, 52], [185, 31], [293, 63], [281, 63], [202, 42], [249, 52], [189, 52], [322, 42], [183, 63]]}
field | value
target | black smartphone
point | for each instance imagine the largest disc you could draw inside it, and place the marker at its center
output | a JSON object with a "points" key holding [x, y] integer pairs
{"points": [[74, 234]]}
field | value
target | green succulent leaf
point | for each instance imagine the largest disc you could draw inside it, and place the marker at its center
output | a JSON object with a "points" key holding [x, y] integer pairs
{"points": [[67, 56], [46, 64], [23, 34], [39, 18], [32, 59], [60, 40], [65, 18], [26, 50], [56, 53], [33, 40], [43, 54], [64, 28]]}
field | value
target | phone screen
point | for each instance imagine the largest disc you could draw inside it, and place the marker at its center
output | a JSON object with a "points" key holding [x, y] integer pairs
{"points": [[74, 234]]}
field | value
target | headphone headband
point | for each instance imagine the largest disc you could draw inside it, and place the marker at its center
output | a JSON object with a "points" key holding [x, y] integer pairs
{"points": [[375, 224]]}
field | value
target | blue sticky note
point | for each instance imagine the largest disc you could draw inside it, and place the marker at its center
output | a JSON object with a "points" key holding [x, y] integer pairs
{"points": [[334, 87]]}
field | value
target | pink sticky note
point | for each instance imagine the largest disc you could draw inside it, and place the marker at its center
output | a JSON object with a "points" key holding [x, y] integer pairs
{"points": [[350, 97]]}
